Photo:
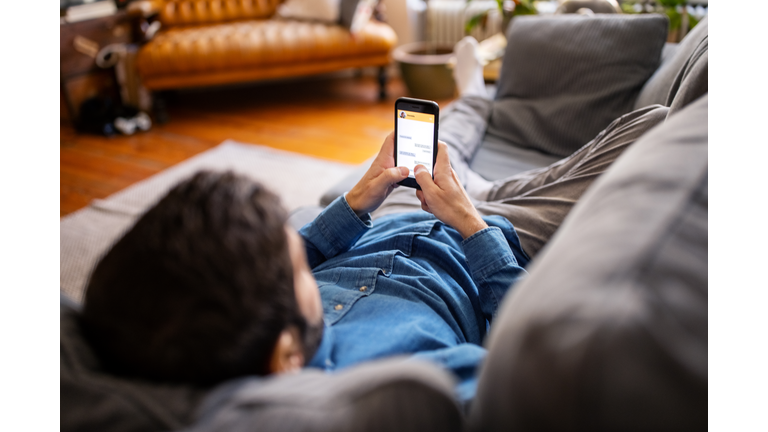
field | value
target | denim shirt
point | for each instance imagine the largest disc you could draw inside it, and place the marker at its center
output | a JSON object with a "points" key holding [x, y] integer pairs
{"points": [[409, 284]]}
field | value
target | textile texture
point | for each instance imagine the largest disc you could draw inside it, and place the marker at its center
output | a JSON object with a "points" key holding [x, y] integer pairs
{"points": [[659, 88], [537, 201], [88, 233], [693, 79], [408, 284], [392, 395], [609, 331], [95, 400], [566, 77]]}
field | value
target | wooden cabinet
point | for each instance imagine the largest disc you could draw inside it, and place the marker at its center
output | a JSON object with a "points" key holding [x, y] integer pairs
{"points": [[80, 77]]}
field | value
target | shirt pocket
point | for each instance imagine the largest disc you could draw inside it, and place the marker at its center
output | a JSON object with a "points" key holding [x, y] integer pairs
{"points": [[338, 298]]}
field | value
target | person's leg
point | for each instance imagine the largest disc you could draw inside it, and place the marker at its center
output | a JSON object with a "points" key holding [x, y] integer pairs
{"points": [[468, 70], [462, 127], [537, 201]]}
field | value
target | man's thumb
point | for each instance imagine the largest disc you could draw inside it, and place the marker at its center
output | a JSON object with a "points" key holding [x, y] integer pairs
{"points": [[397, 174], [422, 177]]}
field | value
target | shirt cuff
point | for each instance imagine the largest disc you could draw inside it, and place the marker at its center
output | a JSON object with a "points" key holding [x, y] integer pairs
{"points": [[487, 252], [340, 227]]}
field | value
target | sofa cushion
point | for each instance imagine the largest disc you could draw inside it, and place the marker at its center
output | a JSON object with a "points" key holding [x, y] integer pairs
{"points": [[92, 399], [326, 11], [389, 395], [693, 79], [609, 331], [564, 78], [659, 87], [396, 395], [497, 159], [192, 12], [243, 45]]}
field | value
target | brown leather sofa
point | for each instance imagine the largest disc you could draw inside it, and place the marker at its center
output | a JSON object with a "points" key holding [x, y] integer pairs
{"points": [[213, 42]]}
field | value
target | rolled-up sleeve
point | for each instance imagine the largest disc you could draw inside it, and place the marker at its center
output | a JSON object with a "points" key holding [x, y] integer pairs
{"points": [[493, 266], [334, 231]]}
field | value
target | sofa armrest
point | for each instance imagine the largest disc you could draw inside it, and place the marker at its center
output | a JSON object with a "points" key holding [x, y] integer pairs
{"points": [[394, 394]]}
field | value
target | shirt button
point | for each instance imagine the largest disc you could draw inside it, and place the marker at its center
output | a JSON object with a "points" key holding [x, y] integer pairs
{"points": [[363, 288], [338, 307]]}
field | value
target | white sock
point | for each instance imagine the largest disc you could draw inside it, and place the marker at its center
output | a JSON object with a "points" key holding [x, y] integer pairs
{"points": [[468, 71]]}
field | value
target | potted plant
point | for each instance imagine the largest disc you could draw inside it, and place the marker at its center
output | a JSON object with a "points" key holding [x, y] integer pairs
{"points": [[508, 9], [426, 68], [426, 71], [680, 21]]}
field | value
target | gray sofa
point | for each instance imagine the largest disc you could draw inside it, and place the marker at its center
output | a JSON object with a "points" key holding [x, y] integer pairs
{"points": [[608, 332]]}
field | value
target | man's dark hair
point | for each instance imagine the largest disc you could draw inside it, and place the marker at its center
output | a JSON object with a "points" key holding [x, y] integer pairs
{"points": [[200, 288]]}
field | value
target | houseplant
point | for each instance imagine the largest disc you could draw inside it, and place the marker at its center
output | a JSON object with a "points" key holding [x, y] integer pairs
{"points": [[508, 9], [680, 21]]}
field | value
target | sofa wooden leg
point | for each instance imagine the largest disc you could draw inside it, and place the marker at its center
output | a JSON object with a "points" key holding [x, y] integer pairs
{"points": [[382, 83], [160, 107]]}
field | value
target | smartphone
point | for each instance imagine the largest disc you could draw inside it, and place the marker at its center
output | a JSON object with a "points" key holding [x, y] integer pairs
{"points": [[416, 125]]}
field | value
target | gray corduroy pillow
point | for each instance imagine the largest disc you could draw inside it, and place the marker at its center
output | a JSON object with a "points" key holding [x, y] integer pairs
{"points": [[564, 78]]}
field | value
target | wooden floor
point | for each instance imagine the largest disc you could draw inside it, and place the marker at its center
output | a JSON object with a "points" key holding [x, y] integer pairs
{"points": [[333, 118]]}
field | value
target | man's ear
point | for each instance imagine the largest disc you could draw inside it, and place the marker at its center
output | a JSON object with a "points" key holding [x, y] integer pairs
{"points": [[288, 354]]}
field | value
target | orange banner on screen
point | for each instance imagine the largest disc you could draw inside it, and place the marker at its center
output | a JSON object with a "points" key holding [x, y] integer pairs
{"points": [[410, 115]]}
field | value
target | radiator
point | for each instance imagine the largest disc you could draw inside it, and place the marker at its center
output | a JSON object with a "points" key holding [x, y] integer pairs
{"points": [[446, 20]]}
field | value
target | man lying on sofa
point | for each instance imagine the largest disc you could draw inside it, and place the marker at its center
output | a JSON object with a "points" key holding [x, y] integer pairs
{"points": [[212, 284]]}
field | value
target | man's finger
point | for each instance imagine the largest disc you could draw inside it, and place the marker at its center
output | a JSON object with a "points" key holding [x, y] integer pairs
{"points": [[388, 147], [443, 162], [420, 196], [424, 179], [396, 174]]}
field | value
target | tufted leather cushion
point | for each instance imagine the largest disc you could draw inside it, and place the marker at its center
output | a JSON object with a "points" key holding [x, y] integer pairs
{"points": [[189, 12], [257, 43]]}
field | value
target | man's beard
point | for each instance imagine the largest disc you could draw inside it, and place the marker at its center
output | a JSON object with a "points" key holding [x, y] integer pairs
{"points": [[313, 336]]}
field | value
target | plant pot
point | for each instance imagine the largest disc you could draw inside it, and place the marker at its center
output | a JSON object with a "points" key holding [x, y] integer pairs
{"points": [[426, 70]]}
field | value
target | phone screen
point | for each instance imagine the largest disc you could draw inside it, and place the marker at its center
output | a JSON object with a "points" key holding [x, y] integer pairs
{"points": [[415, 139]]}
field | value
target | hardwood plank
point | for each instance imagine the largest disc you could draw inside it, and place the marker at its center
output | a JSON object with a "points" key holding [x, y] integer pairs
{"points": [[333, 118]]}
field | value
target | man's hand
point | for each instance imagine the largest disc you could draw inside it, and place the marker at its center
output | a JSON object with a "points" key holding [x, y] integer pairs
{"points": [[445, 197], [380, 180]]}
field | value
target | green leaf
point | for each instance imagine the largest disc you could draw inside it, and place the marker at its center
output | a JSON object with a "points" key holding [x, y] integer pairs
{"points": [[675, 18], [673, 3], [474, 21], [524, 7]]}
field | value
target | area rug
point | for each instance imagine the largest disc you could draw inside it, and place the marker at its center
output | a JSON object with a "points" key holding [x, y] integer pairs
{"points": [[88, 233]]}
